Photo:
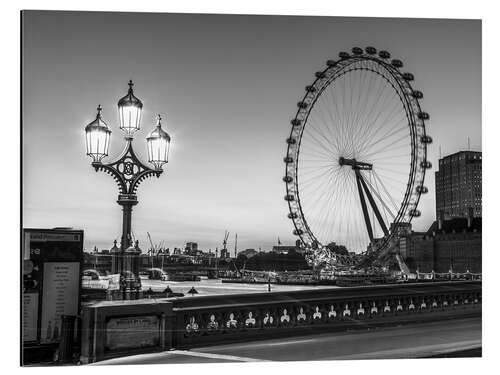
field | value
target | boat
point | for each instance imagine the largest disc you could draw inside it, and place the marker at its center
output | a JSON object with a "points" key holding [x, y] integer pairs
{"points": [[184, 276]]}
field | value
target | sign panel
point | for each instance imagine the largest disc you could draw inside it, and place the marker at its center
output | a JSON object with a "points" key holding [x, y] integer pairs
{"points": [[60, 297], [114, 282], [132, 332], [30, 316], [94, 284]]}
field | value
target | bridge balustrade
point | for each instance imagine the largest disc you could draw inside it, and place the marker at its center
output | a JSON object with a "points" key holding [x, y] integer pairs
{"points": [[298, 313]]}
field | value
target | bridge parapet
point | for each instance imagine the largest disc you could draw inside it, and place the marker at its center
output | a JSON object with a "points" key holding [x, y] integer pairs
{"points": [[215, 319], [114, 329]]}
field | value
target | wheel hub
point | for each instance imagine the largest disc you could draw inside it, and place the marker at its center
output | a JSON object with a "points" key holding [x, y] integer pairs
{"points": [[355, 164]]}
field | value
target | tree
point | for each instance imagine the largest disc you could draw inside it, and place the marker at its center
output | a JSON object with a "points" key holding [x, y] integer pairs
{"points": [[240, 260], [337, 249]]}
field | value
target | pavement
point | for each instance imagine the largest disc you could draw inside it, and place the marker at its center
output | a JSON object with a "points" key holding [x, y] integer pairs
{"points": [[420, 340]]}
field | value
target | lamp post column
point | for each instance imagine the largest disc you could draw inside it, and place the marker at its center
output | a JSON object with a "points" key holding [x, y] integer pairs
{"points": [[127, 202], [130, 284]]}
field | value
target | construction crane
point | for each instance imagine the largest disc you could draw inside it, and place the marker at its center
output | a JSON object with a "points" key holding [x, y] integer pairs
{"points": [[224, 244], [235, 245], [152, 249]]}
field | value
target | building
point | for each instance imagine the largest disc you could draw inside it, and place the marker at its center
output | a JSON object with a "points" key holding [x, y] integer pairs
{"points": [[454, 244], [457, 245], [224, 253], [418, 251], [104, 261], [458, 185], [191, 248]]}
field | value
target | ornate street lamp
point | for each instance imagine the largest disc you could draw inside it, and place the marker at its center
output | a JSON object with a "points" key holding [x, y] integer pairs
{"points": [[127, 171]]}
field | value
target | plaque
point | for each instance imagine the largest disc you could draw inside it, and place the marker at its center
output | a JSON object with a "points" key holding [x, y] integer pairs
{"points": [[132, 332]]}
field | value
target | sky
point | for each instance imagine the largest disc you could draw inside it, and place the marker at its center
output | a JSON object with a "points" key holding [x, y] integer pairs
{"points": [[227, 87]]}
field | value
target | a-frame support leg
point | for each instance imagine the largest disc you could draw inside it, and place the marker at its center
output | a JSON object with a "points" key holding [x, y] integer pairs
{"points": [[374, 206], [363, 205]]}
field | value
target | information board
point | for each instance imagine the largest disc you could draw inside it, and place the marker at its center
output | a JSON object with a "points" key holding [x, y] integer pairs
{"points": [[51, 265], [30, 316], [60, 297]]}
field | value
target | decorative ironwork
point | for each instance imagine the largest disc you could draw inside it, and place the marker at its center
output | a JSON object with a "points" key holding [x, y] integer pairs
{"points": [[128, 171]]}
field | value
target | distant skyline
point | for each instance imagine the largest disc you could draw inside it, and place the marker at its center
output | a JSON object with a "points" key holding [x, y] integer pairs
{"points": [[227, 87]]}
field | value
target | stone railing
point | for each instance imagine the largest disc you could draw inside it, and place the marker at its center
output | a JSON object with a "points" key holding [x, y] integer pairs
{"points": [[113, 329], [216, 319]]}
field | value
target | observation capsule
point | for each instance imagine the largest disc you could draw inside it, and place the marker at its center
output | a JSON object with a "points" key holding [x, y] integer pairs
{"points": [[397, 63], [417, 94], [422, 189], [423, 116], [408, 77], [426, 139], [344, 55], [357, 51], [426, 164], [414, 212], [384, 55], [371, 50]]}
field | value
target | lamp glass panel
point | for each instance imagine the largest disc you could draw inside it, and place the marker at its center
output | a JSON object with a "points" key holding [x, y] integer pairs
{"points": [[130, 119], [97, 143], [158, 151]]}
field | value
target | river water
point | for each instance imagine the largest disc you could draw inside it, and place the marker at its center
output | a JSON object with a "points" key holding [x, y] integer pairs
{"points": [[216, 286]]}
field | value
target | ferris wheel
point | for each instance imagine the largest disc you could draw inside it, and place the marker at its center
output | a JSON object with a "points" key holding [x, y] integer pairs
{"points": [[356, 155]]}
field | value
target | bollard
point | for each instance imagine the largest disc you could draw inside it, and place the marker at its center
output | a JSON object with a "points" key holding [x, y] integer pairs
{"points": [[67, 338]]}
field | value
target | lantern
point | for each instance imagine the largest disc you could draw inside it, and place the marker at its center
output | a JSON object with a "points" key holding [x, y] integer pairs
{"points": [[158, 143], [129, 112], [97, 135]]}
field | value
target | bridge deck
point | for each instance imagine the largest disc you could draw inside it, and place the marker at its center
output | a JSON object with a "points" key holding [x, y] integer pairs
{"points": [[409, 341]]}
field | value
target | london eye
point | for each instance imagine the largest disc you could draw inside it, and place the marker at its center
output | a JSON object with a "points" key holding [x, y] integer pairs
{"points": [[356, 156]]}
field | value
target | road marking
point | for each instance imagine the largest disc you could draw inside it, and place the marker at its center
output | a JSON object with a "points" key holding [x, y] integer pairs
{"points": [[217, 356], [253, 344], [290, 342], [172, 353]]}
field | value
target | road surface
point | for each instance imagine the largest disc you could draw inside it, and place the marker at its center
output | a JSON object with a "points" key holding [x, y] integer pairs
{"points": [[409, 341]]}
